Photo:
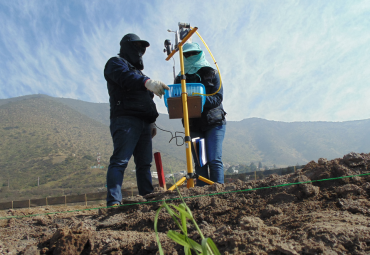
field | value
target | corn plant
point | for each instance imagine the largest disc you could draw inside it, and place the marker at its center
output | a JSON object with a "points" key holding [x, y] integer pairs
{"points": [[180, 215]]}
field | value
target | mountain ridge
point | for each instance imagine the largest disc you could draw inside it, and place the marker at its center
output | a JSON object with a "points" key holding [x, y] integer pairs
{"points": [[255, 137]]}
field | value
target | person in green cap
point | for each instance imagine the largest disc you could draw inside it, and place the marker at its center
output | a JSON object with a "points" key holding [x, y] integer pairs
{"points": [[212, 124]]}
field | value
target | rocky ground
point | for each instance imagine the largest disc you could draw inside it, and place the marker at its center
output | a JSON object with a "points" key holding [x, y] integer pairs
{"points": [[322, 217]]}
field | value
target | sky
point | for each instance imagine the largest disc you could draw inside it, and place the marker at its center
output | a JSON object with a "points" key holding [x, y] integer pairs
{"points": [[279, 60]]}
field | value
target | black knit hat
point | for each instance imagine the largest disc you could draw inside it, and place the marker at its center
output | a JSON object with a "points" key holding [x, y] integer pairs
{"points": [[133, 38]]}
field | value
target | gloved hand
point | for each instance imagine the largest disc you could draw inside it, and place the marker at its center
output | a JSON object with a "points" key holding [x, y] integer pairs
{"points": [[157, 87], [153, 129]]}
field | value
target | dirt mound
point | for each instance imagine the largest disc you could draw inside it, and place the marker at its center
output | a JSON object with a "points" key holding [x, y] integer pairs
{"points": [[297, 213]]}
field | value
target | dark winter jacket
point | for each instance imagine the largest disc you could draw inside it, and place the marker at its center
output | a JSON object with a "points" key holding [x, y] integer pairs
{"points": [[128, 95], [213, 113]]}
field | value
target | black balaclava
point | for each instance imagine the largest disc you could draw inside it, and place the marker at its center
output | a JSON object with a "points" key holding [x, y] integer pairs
{"points": [[131, 52]]}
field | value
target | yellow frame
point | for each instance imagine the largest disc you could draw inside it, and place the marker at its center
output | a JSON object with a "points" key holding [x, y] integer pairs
{"points": [[184, 97]]}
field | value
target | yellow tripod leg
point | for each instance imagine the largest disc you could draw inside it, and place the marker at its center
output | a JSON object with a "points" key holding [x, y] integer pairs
{"points": [[184, 95], [205, 180], [178, 183]]}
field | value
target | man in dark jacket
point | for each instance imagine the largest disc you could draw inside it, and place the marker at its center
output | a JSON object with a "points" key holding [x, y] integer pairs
{"points": [[132, 116]]}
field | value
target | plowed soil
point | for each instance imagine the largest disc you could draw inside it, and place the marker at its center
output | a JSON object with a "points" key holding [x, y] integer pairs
{"points": [[320, 217]]}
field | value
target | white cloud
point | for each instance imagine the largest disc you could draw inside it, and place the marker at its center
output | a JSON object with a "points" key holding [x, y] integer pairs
{"points": [[285, 60]]}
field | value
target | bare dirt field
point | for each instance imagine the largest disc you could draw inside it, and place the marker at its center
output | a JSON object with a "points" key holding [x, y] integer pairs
{"points": [[319, 217]]}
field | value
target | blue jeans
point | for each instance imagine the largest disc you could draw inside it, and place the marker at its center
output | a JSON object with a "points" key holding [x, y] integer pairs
{"points": [[213, 138], [131, 136]]}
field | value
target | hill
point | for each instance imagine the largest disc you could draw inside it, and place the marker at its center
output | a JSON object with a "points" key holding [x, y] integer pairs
{"points": [[289, 143], [43, 138], [100, 113], [259, 140]]}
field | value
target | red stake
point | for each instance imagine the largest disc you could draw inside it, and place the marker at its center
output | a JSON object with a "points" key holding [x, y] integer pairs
{"points": [[158, 164]]}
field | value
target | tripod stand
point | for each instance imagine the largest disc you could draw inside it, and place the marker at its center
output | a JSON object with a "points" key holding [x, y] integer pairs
{"points": [[190, 176]]}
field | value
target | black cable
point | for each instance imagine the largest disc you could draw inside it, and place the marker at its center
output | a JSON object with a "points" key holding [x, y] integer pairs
{"points": [[176, 136]]}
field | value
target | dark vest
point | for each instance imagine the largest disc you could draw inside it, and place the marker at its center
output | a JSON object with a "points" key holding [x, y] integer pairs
{"points": [[139, 104]]}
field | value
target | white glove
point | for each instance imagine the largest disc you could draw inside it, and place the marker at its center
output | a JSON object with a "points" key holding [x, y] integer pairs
{"points": [[153, 129], [157, 87]]}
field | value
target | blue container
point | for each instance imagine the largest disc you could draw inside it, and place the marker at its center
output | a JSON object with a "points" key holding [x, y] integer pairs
{"points": [[175, 91]]}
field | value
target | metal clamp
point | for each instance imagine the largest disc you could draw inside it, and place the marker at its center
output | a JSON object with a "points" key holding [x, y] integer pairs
{"points": [[191, 176]]}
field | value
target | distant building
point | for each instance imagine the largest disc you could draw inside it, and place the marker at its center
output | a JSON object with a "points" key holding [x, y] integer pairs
{"points": [[226, 166], [154, 175], [178, 174]]}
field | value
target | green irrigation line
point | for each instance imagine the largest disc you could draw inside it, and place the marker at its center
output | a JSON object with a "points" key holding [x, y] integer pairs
{"points": [[178, 198]]}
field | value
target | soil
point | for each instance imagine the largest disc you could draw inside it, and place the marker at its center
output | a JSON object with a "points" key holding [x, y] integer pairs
{"points": [[320, 217]]}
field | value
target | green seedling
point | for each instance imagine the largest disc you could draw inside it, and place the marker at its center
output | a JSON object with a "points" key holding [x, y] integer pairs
{"points": [[180, 215]]}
